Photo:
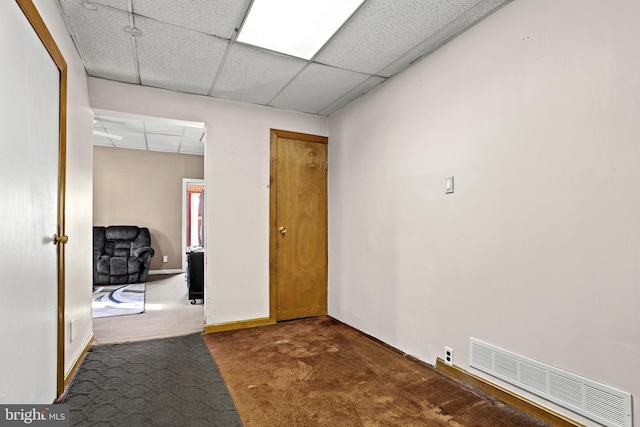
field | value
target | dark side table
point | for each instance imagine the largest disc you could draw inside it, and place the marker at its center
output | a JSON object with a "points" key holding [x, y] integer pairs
{"points": [[195, 275]]}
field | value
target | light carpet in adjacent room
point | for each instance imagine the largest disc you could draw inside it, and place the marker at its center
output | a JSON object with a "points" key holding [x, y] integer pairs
{"points": [[168, 312], [118, 300]]}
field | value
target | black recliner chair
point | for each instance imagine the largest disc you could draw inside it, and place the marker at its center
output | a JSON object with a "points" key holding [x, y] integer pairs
{"points": [[121, 254]]}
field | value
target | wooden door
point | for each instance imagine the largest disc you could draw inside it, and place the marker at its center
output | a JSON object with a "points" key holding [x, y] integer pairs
{"points": [[32, 172], [298, 225]]}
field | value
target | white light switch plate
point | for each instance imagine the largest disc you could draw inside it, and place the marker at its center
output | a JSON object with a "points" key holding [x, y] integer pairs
{"points": [[448, 185]]}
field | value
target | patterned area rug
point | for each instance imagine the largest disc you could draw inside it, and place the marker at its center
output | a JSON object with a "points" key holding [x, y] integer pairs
{"points": [[171, 382], [118, 300]]}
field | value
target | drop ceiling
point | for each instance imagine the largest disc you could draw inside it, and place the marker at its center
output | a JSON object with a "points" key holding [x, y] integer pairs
{"points": [[170, 136], [189, 46]]}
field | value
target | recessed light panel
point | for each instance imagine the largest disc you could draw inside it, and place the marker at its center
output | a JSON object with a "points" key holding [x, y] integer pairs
{"points": [[294, 27]]}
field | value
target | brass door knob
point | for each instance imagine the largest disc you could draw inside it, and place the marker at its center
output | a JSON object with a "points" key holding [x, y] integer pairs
{"points": [[60, 239], [282, 230]]}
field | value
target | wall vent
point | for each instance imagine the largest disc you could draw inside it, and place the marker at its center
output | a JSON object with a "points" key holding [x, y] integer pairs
{"points": [[595, 401]]}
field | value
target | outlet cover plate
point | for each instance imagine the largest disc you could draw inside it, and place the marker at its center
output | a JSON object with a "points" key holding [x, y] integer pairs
{"points": [[448, 356]]}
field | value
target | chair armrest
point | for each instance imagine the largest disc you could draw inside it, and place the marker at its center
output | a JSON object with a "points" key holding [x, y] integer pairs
{"points": [[140, 252]]}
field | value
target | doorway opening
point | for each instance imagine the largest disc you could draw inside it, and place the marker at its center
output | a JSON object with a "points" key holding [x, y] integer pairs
{"points": [[140, 163], [192, 216]]}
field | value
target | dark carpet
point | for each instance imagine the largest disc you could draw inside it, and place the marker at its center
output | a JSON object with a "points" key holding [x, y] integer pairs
{"points": [[320, 372], [166, 382]]}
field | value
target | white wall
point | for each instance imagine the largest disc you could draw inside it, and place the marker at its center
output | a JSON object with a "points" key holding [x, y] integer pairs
{"points": [[237, 193], [536, 112], [79, 192]]}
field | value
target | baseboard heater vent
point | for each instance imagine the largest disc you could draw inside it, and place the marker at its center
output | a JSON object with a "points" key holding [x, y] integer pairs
{"points": [[595, 401]]}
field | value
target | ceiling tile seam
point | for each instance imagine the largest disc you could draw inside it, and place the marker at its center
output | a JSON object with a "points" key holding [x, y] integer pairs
{"points": [[463, 29], [355, 12], [288, 84], [426, 39], [74, 38], [144, 128], [352, 71], [274, 52], [134, 43], [243, 20], [223, 61], [155, 133], [139, 15], [171, 24], [350, 93], [111, 8], [443, 29]]}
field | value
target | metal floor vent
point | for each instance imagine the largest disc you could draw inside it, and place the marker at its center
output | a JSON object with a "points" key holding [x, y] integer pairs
{"points": [[595, 401]]}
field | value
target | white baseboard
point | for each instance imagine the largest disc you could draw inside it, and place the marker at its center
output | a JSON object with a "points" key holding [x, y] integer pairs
{"points": [[173, 271]]}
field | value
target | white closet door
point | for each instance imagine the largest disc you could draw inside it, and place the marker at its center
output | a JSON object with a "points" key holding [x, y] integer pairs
{"points": [[29, 127]]}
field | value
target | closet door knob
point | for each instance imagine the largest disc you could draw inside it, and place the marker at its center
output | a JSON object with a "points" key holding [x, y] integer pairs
{"points": [[60, 239]]}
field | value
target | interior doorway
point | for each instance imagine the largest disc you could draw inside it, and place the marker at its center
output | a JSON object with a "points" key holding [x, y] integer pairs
{"points": [[192, 215], [298, 225], [156, 154]]}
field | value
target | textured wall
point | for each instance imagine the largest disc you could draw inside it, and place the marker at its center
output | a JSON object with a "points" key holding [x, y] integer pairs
{"points": [[144, 188], [535, 111]]}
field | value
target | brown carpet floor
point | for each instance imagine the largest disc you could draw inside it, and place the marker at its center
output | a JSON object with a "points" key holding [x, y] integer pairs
{"points": [[320, 372]]}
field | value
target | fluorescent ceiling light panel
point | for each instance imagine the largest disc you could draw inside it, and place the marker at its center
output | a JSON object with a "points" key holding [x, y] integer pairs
{"points": [[107, 135], [295, 27]]}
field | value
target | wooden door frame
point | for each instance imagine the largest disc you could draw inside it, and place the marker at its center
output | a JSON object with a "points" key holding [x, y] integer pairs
{"points": [[273, 211], [185, 192], [36, 21]]}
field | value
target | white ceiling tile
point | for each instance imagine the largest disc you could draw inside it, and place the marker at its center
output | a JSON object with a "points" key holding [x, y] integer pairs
{"points": [[449, 31], [176, 58], [194, 132], [130, 140], [360, 90], [255, 75], [191, 146], [163, 142], [162, 128], [101, 140], [106, 50], [152, 134], [215, 17], [317, 87], [183, 43], [97, 124], [382, 30], [117, 4], [114, 124]]}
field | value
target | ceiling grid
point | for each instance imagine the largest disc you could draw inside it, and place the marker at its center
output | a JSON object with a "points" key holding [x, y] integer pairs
{"points": [[190, 46]]}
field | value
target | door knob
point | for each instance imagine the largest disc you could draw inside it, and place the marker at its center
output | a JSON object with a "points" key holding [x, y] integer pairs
{"points": [[282, 230], [60, 239]]}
